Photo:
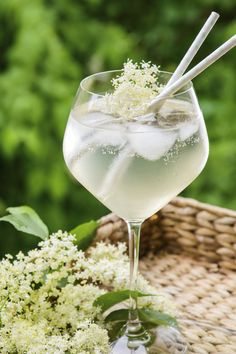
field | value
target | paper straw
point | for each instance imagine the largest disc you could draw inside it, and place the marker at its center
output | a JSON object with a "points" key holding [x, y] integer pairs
{"points": [[193, 49], [115, 172], [191, 74]]}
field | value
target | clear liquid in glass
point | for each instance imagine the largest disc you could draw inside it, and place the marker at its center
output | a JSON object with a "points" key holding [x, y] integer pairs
{"points": [[136, 167]]}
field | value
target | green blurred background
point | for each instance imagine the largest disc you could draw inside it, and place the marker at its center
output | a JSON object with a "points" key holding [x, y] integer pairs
{"points": [[48, 46]]}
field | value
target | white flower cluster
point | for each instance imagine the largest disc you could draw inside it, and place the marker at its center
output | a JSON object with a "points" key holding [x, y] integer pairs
{"points": [[46, 297], [133, 90]]}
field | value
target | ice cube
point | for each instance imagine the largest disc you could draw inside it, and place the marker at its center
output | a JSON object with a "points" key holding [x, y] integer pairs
{"points": [[111, 135], [93, 119], [72, 141], [188, 129], [150, 142], [107, 132]]}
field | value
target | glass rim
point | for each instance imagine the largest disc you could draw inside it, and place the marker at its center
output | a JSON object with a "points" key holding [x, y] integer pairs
{"points": [[179, 93]]}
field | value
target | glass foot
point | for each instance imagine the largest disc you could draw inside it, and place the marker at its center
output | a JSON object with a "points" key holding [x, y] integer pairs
{"points": [[162, 340]]}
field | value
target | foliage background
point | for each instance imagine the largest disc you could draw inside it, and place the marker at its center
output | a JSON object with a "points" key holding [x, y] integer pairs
{"points": [[48, 46]]}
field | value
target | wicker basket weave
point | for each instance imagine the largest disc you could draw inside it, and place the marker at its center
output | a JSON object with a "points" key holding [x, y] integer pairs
{"points": [[189, 251]]}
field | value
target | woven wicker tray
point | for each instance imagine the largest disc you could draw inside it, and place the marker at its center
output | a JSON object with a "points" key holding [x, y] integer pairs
{"points": [[188, 250]]}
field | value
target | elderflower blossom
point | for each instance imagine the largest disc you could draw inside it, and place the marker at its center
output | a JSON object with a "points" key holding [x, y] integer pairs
{"points": [[134, 88], [47, 296]]}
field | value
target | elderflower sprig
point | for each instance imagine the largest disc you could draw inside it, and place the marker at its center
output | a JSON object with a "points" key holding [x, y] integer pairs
{"points": [[52, 299], [134, 88], [49, 295]]}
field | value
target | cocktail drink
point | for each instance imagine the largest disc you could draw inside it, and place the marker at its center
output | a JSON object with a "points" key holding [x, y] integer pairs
{"points": [[136, 167], [134, 161]]}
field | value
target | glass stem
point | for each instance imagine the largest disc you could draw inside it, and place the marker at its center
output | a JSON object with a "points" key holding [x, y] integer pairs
{"points": [[134, 229]]}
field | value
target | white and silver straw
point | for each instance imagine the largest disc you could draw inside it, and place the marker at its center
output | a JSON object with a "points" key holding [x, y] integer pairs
{"points": [[157, 102], [194, 48]]}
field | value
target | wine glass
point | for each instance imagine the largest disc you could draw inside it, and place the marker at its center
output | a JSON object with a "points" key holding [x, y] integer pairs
{"points": [[135, 167]]}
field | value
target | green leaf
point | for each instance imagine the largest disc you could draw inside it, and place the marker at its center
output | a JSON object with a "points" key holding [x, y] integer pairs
{"points": [[114, 297], [148, 316], [116, 330], [25, 219], [85, 234], [118, 315], [154, 317]]}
